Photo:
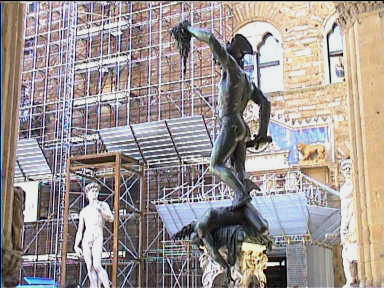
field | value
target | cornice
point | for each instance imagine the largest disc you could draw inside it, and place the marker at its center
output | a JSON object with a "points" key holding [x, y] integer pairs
{"points": [[349, 12]]}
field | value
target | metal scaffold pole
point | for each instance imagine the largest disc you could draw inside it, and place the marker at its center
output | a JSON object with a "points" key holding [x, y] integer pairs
{"points": [[91, 69], [66, 134]]}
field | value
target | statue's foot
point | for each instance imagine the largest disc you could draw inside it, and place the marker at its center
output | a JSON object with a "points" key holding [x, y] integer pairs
{"points": [[238, 203]]}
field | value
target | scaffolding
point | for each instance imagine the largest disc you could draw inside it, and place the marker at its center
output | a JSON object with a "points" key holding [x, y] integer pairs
{"points": [[290, 187], [93, 67], [118, 175]]}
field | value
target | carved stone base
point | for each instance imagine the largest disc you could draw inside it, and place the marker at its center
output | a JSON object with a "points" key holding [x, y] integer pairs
{"points": [[12, 254], [248, 270], [11, 267]]}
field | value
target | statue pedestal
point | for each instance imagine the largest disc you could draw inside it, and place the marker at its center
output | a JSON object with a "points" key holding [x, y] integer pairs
{"points": [[12, 260], [249, 268]]}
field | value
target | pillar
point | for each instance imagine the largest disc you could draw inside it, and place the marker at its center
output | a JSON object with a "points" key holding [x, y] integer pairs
{"points": [[12, 45], [363, 28]]}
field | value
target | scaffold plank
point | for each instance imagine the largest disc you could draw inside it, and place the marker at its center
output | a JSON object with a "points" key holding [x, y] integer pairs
{"points": [[187, 137], [31, 162]]}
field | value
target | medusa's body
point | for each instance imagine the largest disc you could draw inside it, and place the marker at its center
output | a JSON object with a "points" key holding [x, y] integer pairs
{"points": [[214, 222]]}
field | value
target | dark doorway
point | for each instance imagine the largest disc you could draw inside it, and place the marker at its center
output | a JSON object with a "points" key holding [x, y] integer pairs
{"points": [[276, 272]]}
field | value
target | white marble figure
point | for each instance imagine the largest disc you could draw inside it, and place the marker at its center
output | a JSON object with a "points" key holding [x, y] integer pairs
{"points": [[252, 261], [348, 226], [92, 217], [213, 271]]}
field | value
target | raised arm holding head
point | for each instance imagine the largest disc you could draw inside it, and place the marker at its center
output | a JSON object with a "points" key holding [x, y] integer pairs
{"points": [[219, 51]]}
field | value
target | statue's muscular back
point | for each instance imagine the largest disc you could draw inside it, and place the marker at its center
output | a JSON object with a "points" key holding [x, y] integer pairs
{"points": [[235, 92]]}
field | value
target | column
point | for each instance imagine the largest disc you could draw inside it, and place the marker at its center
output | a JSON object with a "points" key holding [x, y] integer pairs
{"points": [[363, 27], [12, 45]]}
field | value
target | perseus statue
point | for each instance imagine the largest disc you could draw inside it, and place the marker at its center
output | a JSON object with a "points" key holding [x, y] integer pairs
{"points": [[236, 89]]}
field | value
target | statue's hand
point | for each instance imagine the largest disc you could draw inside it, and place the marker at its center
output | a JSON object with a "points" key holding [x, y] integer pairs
{"points": [[78, 250], [229, 275], [259, 139], [181, 31], [184, 26], [344, 230]]}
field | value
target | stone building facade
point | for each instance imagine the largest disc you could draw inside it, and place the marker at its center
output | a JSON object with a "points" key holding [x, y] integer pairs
{"points": [[307, 92], [363, 25], [355, 105]]}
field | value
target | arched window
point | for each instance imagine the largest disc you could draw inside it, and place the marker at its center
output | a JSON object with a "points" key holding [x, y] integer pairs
{"points": [[335, 65], [268, 63], [265, 66]]}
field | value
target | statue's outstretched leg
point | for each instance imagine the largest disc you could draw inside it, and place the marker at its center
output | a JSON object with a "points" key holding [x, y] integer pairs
{"points": [[241, 200], [225, 145], [238, 163], [249, 186]]}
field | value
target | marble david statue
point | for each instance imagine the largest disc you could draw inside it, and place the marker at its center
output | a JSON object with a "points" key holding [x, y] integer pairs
{"points": [[348, 232], [92, 218]]}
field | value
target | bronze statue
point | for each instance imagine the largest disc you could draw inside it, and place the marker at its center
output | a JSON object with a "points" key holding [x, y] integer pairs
{"points": [[226, 227], [236, 90]]}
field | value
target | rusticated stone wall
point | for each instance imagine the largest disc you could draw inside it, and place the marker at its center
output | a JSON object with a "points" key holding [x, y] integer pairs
{"points": [[301, 26], [306, 91], [363, 25]]}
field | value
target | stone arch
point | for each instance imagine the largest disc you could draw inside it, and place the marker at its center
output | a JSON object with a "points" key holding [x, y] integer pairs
{"points": [[328, 23], [263, 12], [278, 14], [258, 34]]}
